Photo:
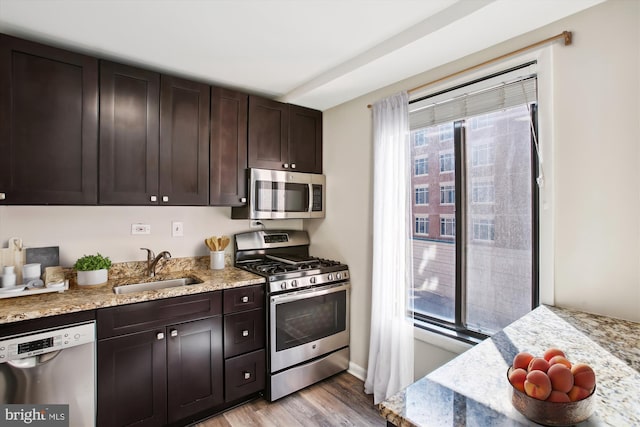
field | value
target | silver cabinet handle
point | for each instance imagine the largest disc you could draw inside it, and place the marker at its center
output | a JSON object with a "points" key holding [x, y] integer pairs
{"points": [[247, 375], [245, 299], [3, 196], [160, 336], [174, 332], [293, 165], [286, 166], [154, 198], [165, 199], [243, 200], [245, 333]]}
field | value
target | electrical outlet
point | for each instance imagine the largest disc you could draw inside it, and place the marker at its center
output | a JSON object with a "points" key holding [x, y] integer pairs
{"points": [[177, 229], [140, 229], [255, 224]]}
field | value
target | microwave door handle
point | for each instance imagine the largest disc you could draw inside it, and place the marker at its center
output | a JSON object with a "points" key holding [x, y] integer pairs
{"points": [[310, 207]]}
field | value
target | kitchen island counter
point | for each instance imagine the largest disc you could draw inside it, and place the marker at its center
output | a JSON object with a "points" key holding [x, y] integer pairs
{"points": [[77, 299], [473, 389]]}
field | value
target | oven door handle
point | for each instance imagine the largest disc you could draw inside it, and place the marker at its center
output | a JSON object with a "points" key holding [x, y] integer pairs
{"points": [[305, 293]]}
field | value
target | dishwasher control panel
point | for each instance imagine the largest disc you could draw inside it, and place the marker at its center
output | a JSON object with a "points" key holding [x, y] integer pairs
{"points": [[40, 342]]}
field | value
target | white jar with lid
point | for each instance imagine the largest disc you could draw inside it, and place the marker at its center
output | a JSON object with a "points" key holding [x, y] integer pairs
{"points": [[8, 276]]}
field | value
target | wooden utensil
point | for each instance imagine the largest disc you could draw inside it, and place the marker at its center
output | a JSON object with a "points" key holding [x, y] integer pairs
{"points": [[224, 242]]}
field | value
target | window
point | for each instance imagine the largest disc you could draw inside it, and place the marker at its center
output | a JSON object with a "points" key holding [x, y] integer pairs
{"points": [[445, 133], [422, 195], [484, 229], [482, 154], [447, 227], [421, 166], [482, 191], [471, 281], [419, 138], [447, 194], [447, 163], [422, 225]]}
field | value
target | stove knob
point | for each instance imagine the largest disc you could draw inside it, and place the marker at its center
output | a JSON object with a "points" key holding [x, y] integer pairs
{"points": [[294, 283], [338, 276], [312, 280], [330, 276], [283, 285]]}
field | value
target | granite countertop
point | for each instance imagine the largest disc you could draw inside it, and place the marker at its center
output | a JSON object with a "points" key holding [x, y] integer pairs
{"points": [[473, 389], [78, 298]]}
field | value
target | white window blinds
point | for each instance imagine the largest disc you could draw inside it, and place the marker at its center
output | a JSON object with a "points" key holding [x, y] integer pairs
{"points": [[497, 93]]}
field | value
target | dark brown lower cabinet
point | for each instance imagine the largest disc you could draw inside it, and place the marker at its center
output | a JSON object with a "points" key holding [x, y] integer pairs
{"points": [[156, 366]]}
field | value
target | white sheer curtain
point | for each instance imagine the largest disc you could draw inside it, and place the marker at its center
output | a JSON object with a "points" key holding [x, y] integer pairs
{"points": [[391, 344]]}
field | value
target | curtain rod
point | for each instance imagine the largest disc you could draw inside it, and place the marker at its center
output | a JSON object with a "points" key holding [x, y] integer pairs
{"points": [[566, 36]]}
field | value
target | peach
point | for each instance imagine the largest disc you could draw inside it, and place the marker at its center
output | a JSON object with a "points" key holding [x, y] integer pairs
{"points": [[583, 376], [558, 396], [550, 352], [521, 360], [578, 393], [561, 377], [538, 364], [517, 377], [560, 359], [537, 385]]}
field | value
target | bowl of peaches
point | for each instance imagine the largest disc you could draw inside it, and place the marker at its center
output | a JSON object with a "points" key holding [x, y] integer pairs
{"points": [[551, 390]]}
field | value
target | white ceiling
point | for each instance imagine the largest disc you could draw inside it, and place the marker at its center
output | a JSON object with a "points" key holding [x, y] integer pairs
{"points": [[317, 53]]}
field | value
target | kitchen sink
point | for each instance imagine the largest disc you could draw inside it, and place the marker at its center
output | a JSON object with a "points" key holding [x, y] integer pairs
{"points": [[159, 284]]}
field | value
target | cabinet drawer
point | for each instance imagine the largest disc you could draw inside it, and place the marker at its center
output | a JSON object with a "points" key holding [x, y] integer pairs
{"points": [[243, 298], [243, 332], [130, 318], [244, 375]]}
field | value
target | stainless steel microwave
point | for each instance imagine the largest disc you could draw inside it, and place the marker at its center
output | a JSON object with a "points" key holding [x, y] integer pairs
{"points": [[276, 194]]}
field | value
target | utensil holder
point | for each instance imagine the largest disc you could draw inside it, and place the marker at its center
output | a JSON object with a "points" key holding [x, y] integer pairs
{"points": [[217, 260]]}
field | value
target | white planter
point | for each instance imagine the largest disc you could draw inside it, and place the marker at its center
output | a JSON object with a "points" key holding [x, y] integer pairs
{"points": [[93, 277]]}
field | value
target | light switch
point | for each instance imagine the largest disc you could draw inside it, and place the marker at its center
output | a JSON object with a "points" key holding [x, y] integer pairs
{"points": [[177, 229]]}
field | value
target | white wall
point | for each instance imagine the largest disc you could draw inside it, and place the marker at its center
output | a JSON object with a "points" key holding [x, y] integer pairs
{"points": [[595, 208], [80, 230]]}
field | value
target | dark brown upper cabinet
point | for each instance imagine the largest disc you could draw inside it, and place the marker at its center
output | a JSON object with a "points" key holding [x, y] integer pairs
{"points": [[228, 154], [48, 125], [305, 139], [184, 142], [154, 138], [284, 137], [268, 134]]}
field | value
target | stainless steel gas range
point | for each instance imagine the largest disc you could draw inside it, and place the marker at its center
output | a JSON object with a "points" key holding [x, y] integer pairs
{"points": [[307, 308]]}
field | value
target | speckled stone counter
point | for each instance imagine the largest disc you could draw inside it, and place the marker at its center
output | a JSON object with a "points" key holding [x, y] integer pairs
{"points": [[473, 390], [78, 298]]}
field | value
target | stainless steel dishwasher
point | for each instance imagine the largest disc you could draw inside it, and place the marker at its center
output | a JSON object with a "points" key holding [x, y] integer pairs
{"points": [[52, 366]]}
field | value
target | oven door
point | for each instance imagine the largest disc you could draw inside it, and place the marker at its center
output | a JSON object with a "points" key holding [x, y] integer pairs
{"points": [[307, 324]]}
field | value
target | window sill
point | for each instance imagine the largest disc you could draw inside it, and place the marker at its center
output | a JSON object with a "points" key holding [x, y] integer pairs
{"points": [[442, 338]]}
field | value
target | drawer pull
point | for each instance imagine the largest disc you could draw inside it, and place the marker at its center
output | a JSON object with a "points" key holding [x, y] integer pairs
{"points": [[247, 375], [245, 333], [174, 332], [154, 198], [160, 336], [245, 299]]}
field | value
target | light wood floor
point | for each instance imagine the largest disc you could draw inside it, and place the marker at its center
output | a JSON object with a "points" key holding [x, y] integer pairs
{"points": [[336, 401]]}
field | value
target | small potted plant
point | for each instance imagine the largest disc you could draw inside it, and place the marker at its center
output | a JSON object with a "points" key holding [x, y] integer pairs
{"points": [[92, 269]]}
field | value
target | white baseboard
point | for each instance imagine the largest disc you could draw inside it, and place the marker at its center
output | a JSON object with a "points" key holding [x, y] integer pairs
{"points": [[357, 371]]}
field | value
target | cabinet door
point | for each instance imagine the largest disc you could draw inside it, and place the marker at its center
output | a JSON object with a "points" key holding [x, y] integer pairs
{"points": [[184, 142], [243, 332], [129, 112], [244, 375], [195, 367], [305, 139], [48, 124], [228, 158], [132, 382], [268, 134]]}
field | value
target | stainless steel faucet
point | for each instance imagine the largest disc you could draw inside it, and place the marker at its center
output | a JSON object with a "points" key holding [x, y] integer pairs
{"points": [[152, 260]]}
